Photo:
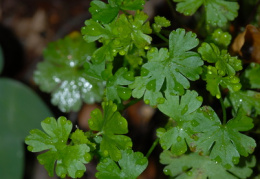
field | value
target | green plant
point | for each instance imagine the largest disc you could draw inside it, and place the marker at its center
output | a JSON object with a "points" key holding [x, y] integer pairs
{"points": [[127, 66]]}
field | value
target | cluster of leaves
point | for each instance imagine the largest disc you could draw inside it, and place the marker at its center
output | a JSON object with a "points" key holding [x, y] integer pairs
{"points": [[196, 142], [105, 140]]}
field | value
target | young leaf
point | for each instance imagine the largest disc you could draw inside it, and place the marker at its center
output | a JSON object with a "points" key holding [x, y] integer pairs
{"points": [[225, 64], [214, 81], [130, 166], [115, 89], [223, 143], [110, 126], [195, 166], [119, 36], [248, 100], [182, 112], [160, 22], [218, 12], [69, 159], [173, 68], [62, 74], [220, 38]]}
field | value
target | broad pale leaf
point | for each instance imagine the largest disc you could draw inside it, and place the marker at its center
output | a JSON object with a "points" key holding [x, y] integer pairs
{"points": [[63, 75], [20, 111]]}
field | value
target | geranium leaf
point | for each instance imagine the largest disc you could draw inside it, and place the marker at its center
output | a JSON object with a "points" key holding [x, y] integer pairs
{"points": [[110, 125], [69, 159]]}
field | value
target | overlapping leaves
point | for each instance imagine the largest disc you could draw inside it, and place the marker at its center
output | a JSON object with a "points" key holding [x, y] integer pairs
{"points": [[214, 81], [223, 143], [63, 75], [174, 68], [69, 159], [130, 166], [195, 166], [121, 35], [110, 126], [218, 12], [225, 64], [181, 110], [223, 73], [116, 88]]}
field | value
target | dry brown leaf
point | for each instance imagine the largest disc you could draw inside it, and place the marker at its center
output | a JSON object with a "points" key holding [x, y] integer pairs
{"points": [[247, 44]]}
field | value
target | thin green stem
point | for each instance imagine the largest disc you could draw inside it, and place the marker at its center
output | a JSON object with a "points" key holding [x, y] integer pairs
{"points": [[152, 148], [162, 37], [99, 133], [224, 111]]}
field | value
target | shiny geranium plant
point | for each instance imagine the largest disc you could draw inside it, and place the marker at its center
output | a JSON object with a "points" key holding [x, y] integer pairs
{"points": [[210, 97]]}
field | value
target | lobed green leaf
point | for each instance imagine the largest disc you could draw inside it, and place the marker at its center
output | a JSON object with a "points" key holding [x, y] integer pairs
{"points": [[117, 85], [110, 125], [69, 159], [248, 100], [123, 34], [195, 166], [130, 166], [182, 112], [214, 81], [172, 68], [223, 143], [103, 12], [224, 63], [160, 22], [218, 12]]}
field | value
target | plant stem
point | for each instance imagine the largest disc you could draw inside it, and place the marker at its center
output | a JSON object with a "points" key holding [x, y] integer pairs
{"points": [[162, 37], [152, 148], [224, 111]]}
